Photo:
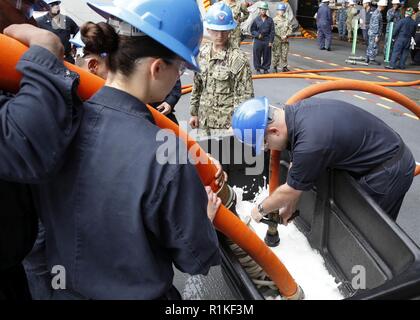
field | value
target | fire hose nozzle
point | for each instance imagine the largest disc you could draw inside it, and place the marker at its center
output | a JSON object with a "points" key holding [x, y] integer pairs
{"points": [[276, 219], [272, 238]]}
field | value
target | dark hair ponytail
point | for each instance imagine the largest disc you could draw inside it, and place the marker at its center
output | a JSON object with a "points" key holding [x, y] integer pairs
{"points": [[99, 38], [121, 51]]}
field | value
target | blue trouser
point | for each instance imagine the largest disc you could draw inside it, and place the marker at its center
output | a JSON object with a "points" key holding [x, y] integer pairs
{"points": [[39, 277], [324, 36], [372, 49], [342, 29], [365, 34], [400, 52], [262, 55], [388, 185]]}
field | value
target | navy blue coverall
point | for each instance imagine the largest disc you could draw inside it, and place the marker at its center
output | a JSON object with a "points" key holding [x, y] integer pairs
{"points": [[263, 33], [118, 215], [37, 125], [71, 29], [404, 31], [324, 23], [332, 134]]}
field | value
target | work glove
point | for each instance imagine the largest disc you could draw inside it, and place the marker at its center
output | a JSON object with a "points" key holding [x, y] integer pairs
{"points": [[412, 43]]}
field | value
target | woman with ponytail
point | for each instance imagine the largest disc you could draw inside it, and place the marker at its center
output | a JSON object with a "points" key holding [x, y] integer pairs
{"points": [[125, 208]]}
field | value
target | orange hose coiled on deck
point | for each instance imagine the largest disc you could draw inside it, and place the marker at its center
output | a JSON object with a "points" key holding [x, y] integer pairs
{"points": [[225, 221]]}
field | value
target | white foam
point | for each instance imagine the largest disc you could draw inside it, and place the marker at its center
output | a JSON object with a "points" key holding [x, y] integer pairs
{"points": [[305, 264]]}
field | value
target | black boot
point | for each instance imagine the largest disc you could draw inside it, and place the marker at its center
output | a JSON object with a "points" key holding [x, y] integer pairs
{"points": [[285, 69], [274, 70]]}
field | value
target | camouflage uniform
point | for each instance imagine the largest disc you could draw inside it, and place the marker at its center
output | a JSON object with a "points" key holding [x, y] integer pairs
{"points": [[351, 14], [375, 30], [392, 16], [341, 21], [283, 29], [224, 82], [240, 14]]}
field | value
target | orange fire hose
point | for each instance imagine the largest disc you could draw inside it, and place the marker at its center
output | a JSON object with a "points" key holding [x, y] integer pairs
{"points": [[355, 69], [274, 172], [287, 75], [356, 85], [225, 221], [318, 77], [308, 75]]}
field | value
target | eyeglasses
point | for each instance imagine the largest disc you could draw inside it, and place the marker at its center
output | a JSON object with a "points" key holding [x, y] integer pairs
{"points": [[181, 68]]}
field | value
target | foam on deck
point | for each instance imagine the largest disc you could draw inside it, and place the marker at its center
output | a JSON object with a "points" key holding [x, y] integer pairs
{"points": [[305, 264]]}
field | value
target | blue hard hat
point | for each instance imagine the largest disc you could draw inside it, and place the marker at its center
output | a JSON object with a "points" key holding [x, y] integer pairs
{"points": [[281, 7], [219, 17], [175, 24], [77, 40], [249, 122]]}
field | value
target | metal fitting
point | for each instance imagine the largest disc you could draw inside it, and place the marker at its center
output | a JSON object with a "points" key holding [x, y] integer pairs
{"points": [[228, 197], [299, 295]]}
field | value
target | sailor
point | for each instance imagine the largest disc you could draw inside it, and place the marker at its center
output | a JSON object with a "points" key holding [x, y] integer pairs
{"points": [[38, 124], [324, 25], [126, 206], [225, 79], [61, 25], [323, 134], [262, 29]]}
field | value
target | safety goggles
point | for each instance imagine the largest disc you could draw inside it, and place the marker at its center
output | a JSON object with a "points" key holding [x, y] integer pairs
{"points": [[271, 110], [181, 68], [270, 119]]}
